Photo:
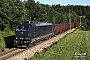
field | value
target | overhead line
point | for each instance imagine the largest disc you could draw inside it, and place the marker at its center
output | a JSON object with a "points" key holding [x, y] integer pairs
{"points": [[51, 1]]}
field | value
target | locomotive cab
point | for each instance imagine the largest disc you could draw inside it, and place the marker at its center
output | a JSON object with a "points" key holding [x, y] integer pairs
{"points": [[24, 33]]}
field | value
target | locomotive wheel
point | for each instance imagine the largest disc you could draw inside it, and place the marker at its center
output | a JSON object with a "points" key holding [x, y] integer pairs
{"points": [[27, 45], [15, 46], [34, 43]]}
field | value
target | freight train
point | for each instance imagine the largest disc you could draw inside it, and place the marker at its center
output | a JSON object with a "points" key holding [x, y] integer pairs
{"points": [[30, 32]]}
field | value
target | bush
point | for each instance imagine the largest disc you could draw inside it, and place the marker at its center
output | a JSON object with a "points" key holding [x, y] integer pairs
{"points": [[84, 28], [2, 43], [6, 34], [8, 31]]}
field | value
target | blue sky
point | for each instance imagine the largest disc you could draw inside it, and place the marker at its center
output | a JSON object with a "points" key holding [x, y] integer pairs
{"points": [[65, 2]]}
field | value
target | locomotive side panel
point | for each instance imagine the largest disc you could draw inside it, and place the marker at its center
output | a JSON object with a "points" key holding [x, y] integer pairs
{"points": [[44, 31]]}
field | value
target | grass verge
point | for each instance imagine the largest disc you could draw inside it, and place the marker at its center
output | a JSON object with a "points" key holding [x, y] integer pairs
{"points": [[75, 46]]}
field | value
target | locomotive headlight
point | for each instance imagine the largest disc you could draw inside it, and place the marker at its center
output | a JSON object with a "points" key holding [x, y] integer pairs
{"points": [[16, 38], [21, 38], [26, 38]]}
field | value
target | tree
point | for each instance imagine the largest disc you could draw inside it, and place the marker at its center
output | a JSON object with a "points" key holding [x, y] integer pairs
{"points": [[11, 13]]}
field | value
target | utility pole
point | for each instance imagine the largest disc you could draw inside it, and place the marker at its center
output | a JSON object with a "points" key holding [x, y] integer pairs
{"points": [[30, 18], [85, 21], [70, 19], [80, 20]]}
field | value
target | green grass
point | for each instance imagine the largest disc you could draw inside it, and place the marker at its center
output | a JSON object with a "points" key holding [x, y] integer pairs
{"points": [[77, 42]]}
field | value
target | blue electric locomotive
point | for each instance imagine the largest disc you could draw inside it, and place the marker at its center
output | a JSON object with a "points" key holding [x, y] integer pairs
{"points": [[29, 32]]}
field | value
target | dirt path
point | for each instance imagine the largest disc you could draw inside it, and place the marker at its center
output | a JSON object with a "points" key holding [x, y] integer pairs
{"points": [[31, 51]]}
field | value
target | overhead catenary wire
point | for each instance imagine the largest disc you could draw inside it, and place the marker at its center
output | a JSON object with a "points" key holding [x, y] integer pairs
{"points": [[52, 1]]}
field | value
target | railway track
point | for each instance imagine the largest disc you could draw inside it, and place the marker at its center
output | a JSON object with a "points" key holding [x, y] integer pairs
{"points": [[14, 51], [10, 53], [10, 50]]}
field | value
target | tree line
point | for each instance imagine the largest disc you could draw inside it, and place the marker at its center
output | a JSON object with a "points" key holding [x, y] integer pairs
{"points": [[13, 12]]}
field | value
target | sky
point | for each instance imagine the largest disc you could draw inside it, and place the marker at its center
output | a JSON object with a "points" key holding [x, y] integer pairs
{"points": [[65, 2]]}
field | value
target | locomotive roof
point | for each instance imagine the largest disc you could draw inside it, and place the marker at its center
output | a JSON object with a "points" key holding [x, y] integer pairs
{"points": [[37, 24], [43, 24]]}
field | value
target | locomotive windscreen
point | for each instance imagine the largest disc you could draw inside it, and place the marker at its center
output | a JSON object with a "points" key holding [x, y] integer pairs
{"points": [[22, 27]]}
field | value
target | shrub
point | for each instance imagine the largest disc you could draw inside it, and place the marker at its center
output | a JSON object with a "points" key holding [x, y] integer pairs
{"points": [[2, 43]]}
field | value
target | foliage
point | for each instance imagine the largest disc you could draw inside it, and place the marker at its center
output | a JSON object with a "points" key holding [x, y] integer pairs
{"points": [[84, 28], [13, 12], [81, 28], [2, 43], [4, 38], [69, 48]]}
